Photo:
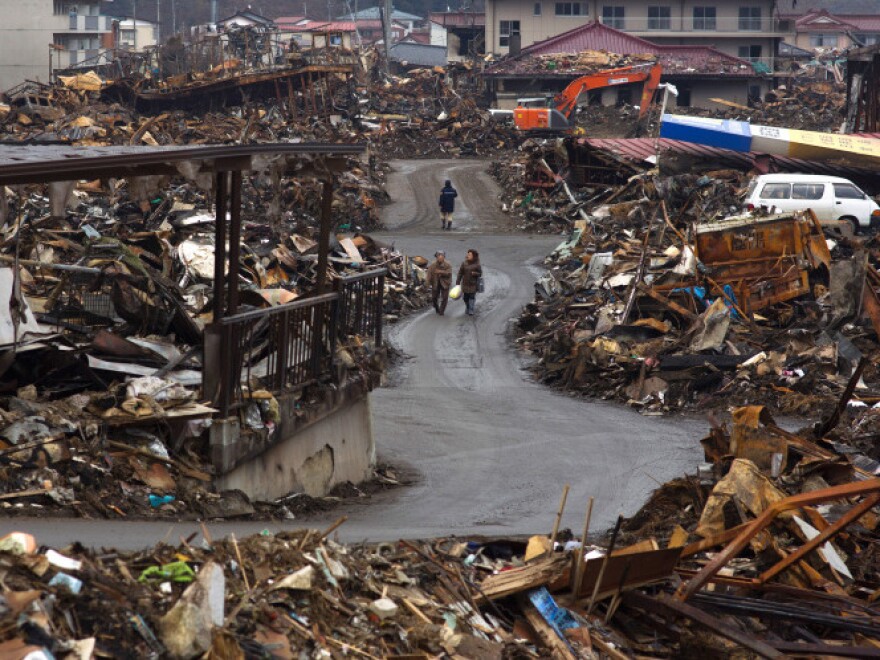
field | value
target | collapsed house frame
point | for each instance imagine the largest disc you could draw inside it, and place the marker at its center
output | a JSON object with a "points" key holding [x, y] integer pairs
{"points": [[302, 334]]}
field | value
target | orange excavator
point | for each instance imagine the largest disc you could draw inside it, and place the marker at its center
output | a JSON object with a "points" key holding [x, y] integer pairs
{"points": [[558, 118]]}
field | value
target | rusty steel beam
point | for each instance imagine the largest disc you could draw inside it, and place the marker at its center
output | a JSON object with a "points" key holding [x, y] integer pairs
{"points": [[851, 516], [680, 609], [720, 560]]}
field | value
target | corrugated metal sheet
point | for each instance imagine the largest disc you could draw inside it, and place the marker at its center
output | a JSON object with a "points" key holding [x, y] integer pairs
{"points": [[419, 54], [640, 149]]}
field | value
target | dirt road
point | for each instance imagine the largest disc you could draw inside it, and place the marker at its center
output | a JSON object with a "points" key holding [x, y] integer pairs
{"points": [[492, 448]]}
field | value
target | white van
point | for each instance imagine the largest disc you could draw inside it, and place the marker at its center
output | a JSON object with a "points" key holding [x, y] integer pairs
{"points": [[831, 197]]}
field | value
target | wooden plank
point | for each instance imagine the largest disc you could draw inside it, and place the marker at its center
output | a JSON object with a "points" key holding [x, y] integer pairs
{"points": [[648, 545], [528, 577], [666, 302], [639, 568], [559, 650]]}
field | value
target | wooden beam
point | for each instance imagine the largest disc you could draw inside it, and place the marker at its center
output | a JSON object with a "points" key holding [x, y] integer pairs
{"points": [[832, 530], [720, 560]]}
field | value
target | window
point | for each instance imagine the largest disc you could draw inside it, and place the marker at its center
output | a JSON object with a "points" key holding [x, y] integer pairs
{"points": [[776, 191], [847, 191], [613, 17], [823, 40], [569, 9], [807, 190], [335, 39], [537, 9], [507, 29], [867, 39], [750, 18], [750, 52], [127, 35], [683, 100], [659, 18], [704, 18], [59, 7]]}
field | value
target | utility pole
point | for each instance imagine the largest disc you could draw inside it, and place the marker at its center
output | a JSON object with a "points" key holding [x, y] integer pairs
{"points": [[174, 16], [158, 21], [134, 20], [386, 24]]}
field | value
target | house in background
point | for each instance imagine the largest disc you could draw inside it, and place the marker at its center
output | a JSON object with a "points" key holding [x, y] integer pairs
{"points": [[246, 18], [291, 28], [135, 34], [465, 32], [349, 34], [742, 28], [821, 30], [409, 21], [699, 72], [40, 36]]}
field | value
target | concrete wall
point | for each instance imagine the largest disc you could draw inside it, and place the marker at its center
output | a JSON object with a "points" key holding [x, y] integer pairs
{"points": [[539, 27], [333, 450], [26, 32]]}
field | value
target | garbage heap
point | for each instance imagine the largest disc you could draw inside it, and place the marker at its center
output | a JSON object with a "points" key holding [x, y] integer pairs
{"points": [[688, 315], [101, 411], [769, 551], [415, 115], [807, 105]]}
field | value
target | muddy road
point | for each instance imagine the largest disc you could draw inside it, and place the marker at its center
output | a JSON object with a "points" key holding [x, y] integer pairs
{"points": [[491, 449]]}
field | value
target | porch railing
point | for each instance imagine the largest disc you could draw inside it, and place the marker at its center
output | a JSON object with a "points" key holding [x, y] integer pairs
{"points": [[289, 347]]}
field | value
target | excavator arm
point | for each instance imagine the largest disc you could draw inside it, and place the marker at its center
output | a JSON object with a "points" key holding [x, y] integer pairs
{"points": [[566, 100], [559, 118]]}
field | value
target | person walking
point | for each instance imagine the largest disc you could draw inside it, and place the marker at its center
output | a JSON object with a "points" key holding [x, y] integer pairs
{"points": [[440, 279], [447, 204], [470, 274]]}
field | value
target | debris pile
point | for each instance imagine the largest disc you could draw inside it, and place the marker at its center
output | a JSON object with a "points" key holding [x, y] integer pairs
{"points": [[803, 105], [769, 550], [707, 310], [111, 287]]}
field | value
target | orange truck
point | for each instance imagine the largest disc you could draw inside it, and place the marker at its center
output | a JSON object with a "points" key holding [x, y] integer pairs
{"points": [[559, 117]]}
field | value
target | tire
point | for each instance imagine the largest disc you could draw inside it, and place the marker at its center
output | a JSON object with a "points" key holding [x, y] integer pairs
{"points": [[854, 222]]}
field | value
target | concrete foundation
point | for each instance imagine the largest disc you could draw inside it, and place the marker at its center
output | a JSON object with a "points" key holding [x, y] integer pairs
{"points": [[336, 448]]}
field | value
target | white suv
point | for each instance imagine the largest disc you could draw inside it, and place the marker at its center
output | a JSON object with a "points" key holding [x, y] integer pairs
{"points": [[831, 197]]}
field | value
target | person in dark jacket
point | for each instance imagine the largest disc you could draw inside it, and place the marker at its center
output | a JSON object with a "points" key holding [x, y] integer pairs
{"points": [[440, 279], [469, 275], [447, 204]]}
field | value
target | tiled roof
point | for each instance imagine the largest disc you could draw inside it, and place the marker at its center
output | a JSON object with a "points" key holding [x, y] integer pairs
{"points": [[418, 38], [594, 36], [822, 20], [348, 26], [282, 21], [812, 21]]}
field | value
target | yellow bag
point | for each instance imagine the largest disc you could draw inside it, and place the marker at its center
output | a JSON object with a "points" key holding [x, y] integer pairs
{"points": [[455, 292]]}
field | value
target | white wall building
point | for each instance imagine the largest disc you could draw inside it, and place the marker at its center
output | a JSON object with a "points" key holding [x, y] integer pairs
{"points": [[39, 36], [136, 34]]}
